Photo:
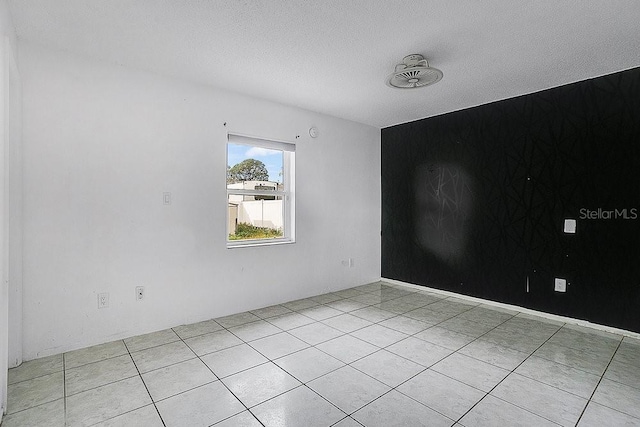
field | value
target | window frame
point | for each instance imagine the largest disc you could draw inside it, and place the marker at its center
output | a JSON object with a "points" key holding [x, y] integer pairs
{"points": [[287, 193]]}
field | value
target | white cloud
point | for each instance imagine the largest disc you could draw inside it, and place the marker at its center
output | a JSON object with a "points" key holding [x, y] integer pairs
{"points": [[260, 152]]}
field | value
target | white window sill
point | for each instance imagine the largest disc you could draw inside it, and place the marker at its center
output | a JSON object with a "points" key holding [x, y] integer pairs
{"points": [[254, 243]]}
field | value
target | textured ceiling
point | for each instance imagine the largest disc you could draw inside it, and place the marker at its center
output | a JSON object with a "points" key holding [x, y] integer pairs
{"points": [[332, 56]]}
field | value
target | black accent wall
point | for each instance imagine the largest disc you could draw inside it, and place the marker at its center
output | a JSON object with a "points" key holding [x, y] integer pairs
{"points": [[475, 201]]}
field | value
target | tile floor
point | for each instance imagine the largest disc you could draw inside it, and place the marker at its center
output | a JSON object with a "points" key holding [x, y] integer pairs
{"points": [[374, 355]]}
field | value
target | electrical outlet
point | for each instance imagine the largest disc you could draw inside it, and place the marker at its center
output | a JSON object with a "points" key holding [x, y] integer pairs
{"points": [[350, 262], [103, 300], [560, 285], [570, 226], [139, 292]]}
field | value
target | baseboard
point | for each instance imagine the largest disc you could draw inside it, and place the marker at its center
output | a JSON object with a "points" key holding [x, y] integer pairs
{"points": [[555, 317]]}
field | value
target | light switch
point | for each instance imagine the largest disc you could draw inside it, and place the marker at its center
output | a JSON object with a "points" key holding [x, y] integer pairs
{"points": [[561, 285], [166, 197], [570, 226]]}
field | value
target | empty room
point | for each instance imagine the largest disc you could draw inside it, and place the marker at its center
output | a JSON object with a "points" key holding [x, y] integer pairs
{"points": [[335, 213]]}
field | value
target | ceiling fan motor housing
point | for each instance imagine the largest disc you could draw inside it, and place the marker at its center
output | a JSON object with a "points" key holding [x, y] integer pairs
{"points": [[414, 72]]}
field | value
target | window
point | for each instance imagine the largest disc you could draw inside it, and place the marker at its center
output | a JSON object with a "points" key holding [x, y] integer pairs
{"points": [[260, 191]]}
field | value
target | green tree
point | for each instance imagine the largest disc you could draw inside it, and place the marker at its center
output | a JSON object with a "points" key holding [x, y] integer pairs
{"points": [[247, 170]]}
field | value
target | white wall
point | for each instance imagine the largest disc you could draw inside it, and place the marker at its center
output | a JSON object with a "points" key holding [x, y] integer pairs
{"points": [[101, 145], [10, 197]]}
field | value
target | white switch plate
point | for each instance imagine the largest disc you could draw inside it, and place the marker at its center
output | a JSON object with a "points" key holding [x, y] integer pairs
{"points": [[570, 226], [561, 285], [166, 198]]}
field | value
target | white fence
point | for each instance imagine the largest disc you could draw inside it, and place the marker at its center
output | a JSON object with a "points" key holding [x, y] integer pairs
{"points": [[260, 213]]}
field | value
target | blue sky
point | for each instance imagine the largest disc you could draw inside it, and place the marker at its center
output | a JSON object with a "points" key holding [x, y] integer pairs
{"points": [[272, 159]]}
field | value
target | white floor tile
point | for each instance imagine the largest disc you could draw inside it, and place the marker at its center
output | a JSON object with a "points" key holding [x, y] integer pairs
{"points": [[254, 330], [348, 388], [200, 407], [629, 352], [347, 305], [594, 363], [388, 368], [300, 304], [597, 415], [465, 326], [347, 422], [278, 345], [470, 371], [161, 356], [379, 336], [46, 415], [373, 314], [233, 360], [548, 402], [441, 393], [623, 373], [99, 373], [419, 351], [308, 364], [347, 348], [445, 337], [95, 353], [271, 311], [237, 319], [405, 325], [397, 410], [243, 419], [346, 323], [320, 312], [583, 339], [315, 333], [215, 341], [259, 384], [618, 396], [34, 392], [99, 404], [36, 368], [298, 407], [146, 416], [153, 339], [195, 329], [494, 354], [492, 412], [171, 380], [290, 320], [561, 376]]}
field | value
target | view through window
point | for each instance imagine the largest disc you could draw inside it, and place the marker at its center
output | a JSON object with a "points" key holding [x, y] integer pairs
{"points": [[259, 191]]}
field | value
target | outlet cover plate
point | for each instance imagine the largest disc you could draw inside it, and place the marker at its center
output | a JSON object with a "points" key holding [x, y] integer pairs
{"points": [[570, 226], [103, 300]]}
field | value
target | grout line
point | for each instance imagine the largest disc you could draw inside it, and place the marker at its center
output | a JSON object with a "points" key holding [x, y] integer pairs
{"points": [[219, 379], [144, 383], [273, 361], [599, 381], [512, 372]]}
